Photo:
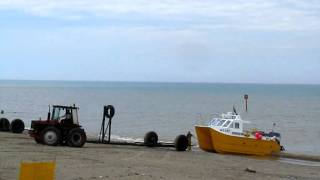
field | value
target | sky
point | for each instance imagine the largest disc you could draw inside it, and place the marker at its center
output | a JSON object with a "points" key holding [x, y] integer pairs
{"points": [[224, 41]]}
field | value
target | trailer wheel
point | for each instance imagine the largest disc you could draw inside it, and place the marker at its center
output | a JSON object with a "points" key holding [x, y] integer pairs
{"points": [[151, 139], [181, 143], [50, 136], [17, 126], [76, 138], [4, 124]]}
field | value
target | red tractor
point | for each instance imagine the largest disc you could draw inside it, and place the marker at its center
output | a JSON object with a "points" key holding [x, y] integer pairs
{"points": [[61, 127]]}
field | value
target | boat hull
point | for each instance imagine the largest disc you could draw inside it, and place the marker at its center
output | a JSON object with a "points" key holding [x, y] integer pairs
{"points": [[214, 141]]}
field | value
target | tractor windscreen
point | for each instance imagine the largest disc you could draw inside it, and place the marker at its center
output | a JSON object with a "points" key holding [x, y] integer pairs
{"points": [[56, 114]]}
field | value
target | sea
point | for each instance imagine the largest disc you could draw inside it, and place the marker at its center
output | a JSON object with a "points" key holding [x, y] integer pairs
{"points": [[171, 109]]}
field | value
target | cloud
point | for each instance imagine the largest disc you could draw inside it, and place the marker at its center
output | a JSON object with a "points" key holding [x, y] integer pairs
{"points": [[285, 15]]}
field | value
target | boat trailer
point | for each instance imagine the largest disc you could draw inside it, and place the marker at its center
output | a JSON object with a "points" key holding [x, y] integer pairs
{"points": [[180, 143]]}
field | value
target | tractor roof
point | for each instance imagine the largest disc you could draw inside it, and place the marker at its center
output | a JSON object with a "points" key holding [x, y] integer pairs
{"points": [[65, 107]]}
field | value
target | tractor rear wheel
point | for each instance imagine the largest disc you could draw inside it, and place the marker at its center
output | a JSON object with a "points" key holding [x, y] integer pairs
{"points": [[50, 136], [76, 138]]}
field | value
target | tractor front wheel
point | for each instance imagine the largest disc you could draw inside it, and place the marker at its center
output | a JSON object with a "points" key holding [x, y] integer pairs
{"points": [[76, 138], [50, 136]]}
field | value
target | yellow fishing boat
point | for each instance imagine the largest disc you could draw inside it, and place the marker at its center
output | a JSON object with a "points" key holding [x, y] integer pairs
{"points": [[225, 135]]}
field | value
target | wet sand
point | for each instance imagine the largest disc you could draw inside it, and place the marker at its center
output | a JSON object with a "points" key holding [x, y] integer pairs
{"points": [[97, 161]]}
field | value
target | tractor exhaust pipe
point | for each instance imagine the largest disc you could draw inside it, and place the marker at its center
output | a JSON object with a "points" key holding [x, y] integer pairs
{"points": [[49, 114]]}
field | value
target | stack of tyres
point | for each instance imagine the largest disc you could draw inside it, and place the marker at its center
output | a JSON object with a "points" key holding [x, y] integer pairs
{"points": [[16, 126], [4, 124]]}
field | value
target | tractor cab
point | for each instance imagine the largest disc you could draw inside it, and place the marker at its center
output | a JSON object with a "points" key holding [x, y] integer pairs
{"points": [[64, 114]]}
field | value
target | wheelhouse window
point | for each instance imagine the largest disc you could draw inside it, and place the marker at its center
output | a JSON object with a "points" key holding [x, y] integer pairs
{"points": [[226, 124], [215, 122], [221, 122], [212, 122], [236, 125]]}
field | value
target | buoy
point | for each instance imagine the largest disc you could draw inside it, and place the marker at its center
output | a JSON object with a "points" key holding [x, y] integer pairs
{"points": [[17, 126], [4, 124]]}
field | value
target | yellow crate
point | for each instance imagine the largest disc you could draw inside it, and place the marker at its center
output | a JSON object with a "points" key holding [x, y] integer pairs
{"points": [[37, 170]]}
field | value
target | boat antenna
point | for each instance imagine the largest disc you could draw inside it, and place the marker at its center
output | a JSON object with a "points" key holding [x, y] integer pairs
{"points": [[234, 110]]}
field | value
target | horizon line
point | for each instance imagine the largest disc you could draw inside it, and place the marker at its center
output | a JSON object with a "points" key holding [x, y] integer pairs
{"points": [[164, 82]]}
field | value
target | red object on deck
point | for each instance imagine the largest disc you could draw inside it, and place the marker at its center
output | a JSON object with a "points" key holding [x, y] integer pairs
{"points": [[258, 136]]}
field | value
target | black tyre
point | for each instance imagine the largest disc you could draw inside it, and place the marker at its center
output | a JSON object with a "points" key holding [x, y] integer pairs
{"points": [[151, 139], [76, 138], [4, 124], [17, 126], [50, 136], [181, 143], [109, 111]]}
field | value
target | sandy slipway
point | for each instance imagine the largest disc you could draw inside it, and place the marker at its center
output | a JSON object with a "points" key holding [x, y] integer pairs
{"points": [[100, 161]]}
